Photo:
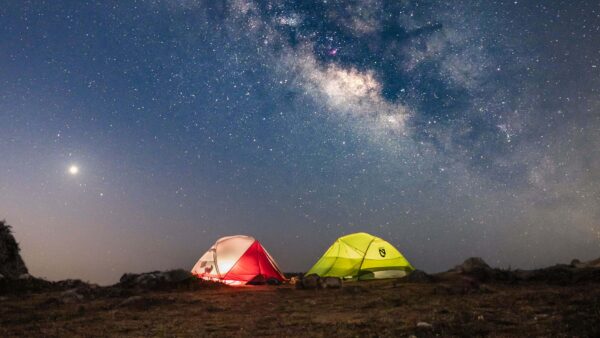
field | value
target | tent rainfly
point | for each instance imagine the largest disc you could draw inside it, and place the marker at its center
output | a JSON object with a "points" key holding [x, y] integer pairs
{"points": [[238, 260], [361, 256]]}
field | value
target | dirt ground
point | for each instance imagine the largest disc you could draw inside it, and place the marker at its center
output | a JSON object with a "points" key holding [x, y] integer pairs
{"points": [[376, 308]]}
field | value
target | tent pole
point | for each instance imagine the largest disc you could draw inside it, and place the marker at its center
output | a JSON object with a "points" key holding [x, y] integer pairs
{"points": [[364, 256]]}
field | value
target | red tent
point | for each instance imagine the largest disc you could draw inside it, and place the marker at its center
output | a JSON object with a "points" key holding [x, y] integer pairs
{"points": [[238, 260]]}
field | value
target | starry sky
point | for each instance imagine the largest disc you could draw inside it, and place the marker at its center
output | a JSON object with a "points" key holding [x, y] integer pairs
{"points": [[451, 129]]}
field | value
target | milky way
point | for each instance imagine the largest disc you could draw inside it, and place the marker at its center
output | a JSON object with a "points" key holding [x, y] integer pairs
{"points": [[451, 130]]}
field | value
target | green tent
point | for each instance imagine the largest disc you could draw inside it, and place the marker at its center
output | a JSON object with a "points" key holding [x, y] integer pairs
{"points": [[361, 256]]}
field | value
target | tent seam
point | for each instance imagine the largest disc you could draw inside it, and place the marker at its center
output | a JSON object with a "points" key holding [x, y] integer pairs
{"points": [[272, 261], [355, 248], [365, 256]]}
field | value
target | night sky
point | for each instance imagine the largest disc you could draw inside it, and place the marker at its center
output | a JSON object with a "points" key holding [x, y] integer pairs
{"points": [[451, 129]]}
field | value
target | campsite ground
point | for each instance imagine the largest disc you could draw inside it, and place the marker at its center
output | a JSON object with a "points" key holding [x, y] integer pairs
{"points": [[383, 308]]}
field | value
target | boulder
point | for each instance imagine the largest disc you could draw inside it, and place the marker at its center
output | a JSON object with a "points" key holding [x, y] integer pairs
{"points": [[471, 265], [309, 282], [156, 279], [330, 283], [128, 278], [316, 282], [479, 270]]}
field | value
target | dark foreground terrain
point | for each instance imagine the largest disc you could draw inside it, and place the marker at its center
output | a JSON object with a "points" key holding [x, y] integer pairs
{"points": [[472, 299], [451, 304]]}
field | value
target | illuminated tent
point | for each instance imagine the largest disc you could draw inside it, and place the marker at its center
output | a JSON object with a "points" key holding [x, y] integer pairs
{"points": [[238, 260], [361, 256]]}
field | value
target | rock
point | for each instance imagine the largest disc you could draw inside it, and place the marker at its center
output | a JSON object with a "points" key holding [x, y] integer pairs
{"points": [[156, 280], [177, 275], [330, 283], [294, 280], [11, 263], [71, 296], [316, 282], [128, 278], [576, 263], [310, 282], [25, 276], [69, 283], [149, 280], [424, 325], [1, 276], [478, 269], [273, 281], [472, 264]]}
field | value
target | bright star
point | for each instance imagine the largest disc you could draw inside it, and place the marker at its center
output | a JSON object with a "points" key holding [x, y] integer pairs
{"points": [[73, 170]]}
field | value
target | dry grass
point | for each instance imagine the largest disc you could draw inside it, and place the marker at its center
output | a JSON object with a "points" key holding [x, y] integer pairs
{"points": [[378, 308]]}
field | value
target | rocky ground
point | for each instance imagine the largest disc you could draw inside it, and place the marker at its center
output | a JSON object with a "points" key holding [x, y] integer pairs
{"points": [[472, 299], [469, 300]]}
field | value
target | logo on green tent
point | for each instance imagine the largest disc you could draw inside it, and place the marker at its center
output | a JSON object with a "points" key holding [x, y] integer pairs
{"points": [[382, 252]]}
